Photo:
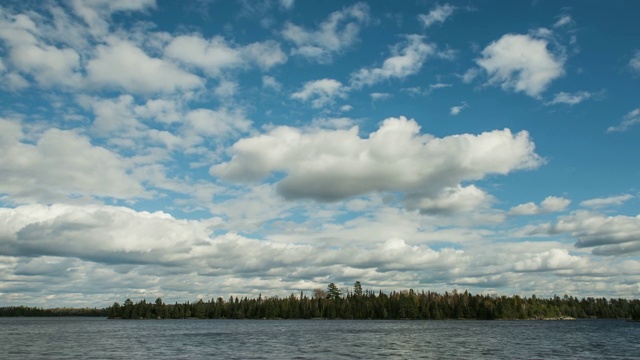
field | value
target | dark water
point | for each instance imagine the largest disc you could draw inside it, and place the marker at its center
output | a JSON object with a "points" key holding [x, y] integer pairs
{"points": [[87, 338]]}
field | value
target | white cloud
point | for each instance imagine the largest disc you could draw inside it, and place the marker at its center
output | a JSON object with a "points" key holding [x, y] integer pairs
{"points": [[469, 75], [271, 83], [216, 55], [265, 55], [107, 234], [226, 89], [455, 110], [607, 201], [122, 65], [96, 13], [334, 35], [452, 200], [50, 169], [31, 55], [439, 86], [634, 63], [376, 96], [607, 235], [564, 20], [570, 99], [437, 15], [287, 4], [554, 204], [553, 259], [628, 121], [330, 165], [321, 92], [407, 59], [212, 55], [161, 110], [218, 122], [548, 205], [521, 63]]}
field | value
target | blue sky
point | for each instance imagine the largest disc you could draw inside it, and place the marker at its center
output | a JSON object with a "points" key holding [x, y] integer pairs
{"points": [[210, 148]]}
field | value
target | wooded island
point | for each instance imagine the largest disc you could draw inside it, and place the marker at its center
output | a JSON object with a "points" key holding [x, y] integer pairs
{"points": [[362, 304]]}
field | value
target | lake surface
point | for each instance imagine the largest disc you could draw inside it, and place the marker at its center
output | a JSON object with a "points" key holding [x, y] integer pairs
{"points": [[91, 338]]}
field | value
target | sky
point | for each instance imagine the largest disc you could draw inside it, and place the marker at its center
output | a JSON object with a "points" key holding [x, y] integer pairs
{"points": [[202, 149]]}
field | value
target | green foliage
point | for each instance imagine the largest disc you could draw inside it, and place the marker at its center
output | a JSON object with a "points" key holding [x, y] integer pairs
{"points": [[361, 304], [333, 292], [17, 311], [367, 304]]}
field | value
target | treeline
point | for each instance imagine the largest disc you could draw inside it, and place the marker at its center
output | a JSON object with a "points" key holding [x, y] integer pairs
{"points": [[17, 311], [370, 305]]}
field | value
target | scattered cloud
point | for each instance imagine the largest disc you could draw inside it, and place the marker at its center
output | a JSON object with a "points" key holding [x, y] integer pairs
{"points": [[607, 235], [634, 63], [563, 21], [216, 54], [570, 99], [223, 121], [439, 86], [455, 110], [628, 121], [438, 14], [271, 83], [287, 4], [321, 92], [407, 59], [333, 36], [376, 96], [521, 63], [607, 201], [548, 205], [48, 169], [469, 75], [122, 65]]}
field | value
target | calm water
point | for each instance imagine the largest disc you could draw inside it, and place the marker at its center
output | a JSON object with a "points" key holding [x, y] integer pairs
{"points": [[87, 338]]}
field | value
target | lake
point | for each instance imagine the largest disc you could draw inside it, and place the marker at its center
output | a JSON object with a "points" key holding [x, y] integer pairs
{"points": [[92, 338]]}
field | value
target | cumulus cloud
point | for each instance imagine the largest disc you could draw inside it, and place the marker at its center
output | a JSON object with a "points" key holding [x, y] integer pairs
{"points": [[124, 66], [216, 54], [96, 13], [439, 14], [607, 201], [451, 200], [407, 59], [50, 169], [321, 92], [521, 63], [327, 165], [333, 36], [570, 99], [108, 234], [30, 54], [223, 121], [553, 259], [548, 205], [628, 121], [607, 235]]}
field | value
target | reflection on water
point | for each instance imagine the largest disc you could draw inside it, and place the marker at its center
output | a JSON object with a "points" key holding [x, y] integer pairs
{"points": [[88, 338]]}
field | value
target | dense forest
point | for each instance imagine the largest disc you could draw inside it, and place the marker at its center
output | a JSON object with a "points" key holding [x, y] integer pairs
{"points": [[38, 311], [366, 304], [332, 303]]}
